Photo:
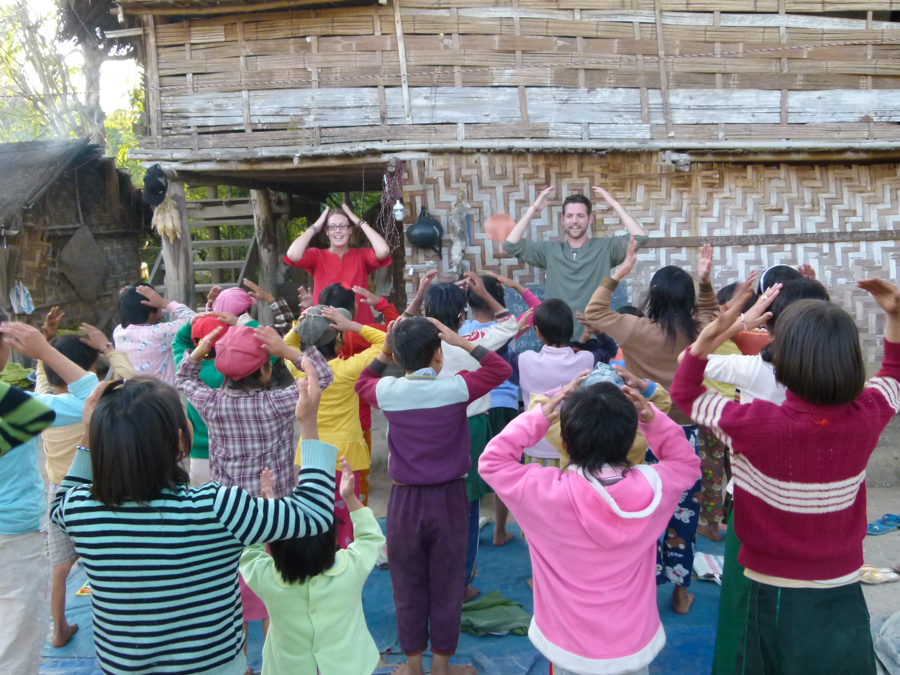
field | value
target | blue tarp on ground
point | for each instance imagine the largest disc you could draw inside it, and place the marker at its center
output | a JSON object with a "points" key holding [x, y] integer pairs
{"points": [[688, 649]]}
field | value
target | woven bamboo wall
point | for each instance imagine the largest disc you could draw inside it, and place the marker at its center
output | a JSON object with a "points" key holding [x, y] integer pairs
{"points": [[798, 211], [47, 228], [480, 73]]}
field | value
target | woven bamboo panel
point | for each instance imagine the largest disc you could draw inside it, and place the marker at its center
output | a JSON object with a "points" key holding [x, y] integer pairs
{"points": [[777, 202], [777, 71]]}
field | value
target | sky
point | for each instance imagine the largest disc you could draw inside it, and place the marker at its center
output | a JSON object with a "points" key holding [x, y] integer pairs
{"points": [[117, 78]]}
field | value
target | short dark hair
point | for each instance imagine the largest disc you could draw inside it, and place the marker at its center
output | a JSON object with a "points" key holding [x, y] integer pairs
{"points": [[553, 318], [132, 311], [336, 295], [252, 381], [577, 199], [727, 292], [446, 303], [817, 354], [135, 442], [672, 303], [791, 292], [415, 342], [631, 310], [598, 425], [302, 558], [494, 289], [76, 351], [777, 274]]}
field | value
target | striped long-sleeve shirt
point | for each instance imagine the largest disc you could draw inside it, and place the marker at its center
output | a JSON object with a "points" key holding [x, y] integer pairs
{"points": [[164, 574]]}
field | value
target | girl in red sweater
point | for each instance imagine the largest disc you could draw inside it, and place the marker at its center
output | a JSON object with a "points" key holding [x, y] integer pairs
{"points": [[799, 473]]}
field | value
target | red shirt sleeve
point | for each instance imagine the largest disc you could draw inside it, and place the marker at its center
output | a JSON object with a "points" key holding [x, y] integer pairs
{"points": [[372, 263], [308, 261]]}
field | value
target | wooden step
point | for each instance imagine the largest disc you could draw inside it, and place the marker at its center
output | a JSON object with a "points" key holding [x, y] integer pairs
{"points": [[218, 243], [206, 288], [225, 222], [219, 265]]}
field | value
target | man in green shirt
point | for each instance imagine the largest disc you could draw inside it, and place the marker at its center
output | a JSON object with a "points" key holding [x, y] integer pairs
{"points": [[575, 267]]}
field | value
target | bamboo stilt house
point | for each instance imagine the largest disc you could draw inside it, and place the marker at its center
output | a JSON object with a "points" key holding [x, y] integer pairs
{"points": [[769, 127]]}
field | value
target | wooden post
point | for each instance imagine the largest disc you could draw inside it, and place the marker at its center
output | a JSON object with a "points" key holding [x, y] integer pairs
{"points": [[178, 255], [267, 238], [215, 252]]}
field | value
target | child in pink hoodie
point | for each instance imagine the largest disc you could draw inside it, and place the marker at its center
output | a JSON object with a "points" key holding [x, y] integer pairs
{"points": [[593, 530]]}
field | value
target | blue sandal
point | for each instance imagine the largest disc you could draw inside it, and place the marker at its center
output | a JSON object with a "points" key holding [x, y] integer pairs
{"points": [[880, 527], [890, 519]]}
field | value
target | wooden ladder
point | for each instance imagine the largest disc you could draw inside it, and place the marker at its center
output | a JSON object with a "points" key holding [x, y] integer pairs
{"points": [[214, 214]]}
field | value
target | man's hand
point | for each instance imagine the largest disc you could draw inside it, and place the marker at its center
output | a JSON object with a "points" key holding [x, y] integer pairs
{"points": [[628, 264], [885, 293], [452, 337], [305, 298], [25, 339], [340, 322], [543, 199], [257, 293], [630, 380], [368, 297], [308, 395], [266, 484], [95, 338], [213, 294], [153, 299], [602, 193], [644, 408], [704, 267], [51, 323]]}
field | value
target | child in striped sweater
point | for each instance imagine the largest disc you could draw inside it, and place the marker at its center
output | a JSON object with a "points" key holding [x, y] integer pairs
{"points": [[799, 472], [128, 507]]}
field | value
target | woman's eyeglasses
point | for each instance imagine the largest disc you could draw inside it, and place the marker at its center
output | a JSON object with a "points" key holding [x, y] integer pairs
{"points": [[337, 228]]}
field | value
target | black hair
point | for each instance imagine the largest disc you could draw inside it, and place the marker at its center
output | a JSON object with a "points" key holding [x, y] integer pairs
{"points": [[302, 558], [329, 349], [415, 342], [132, 311], [252, 381], [791, 292], [76, 351], [494, 289], [727, 292], [135, 441], [336, 295], [817, 353], [777, 274], [672, 303], [553, 318], [446, 303], [598, 425], [577, 199], [631, 310]]}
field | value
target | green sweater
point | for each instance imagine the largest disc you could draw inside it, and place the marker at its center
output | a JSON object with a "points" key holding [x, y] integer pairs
{"points": [[318, 626], [211, 378], [573, 274]]}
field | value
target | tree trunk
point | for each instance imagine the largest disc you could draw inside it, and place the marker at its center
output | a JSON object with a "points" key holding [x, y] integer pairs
{"points": [[215, 252], [267, 238], [95, 117], [178, 255]]}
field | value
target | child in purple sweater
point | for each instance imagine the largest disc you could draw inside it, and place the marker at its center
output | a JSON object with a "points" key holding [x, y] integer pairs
{"points": [[593, 530], [428, 511]]}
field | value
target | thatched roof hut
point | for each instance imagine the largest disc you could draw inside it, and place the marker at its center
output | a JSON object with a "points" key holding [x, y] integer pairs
{"points": [[70, 230]]}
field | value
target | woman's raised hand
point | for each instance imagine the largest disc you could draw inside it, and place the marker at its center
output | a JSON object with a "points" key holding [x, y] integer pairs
{"points": [[352, 216], [320, 223]]}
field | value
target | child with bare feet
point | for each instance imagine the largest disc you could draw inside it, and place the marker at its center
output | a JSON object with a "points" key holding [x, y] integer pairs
{"points": [[428, 511], [593, 529]]}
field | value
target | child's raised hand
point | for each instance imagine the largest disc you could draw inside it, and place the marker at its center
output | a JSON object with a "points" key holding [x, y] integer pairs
{"points": [[704, 268], [551, 407], [523, 321], [576, 382], [348, 480], [304, 298], [885, 293], [308, 394], [258, 293], [388, 347], [451, 337], [213, 295], [724, 322], [273, 343], [152, 298], [630, 379], [340, 322], [95, 339], [644, 408], [751, 318], [628, 264], [51, 323], [204, 347], [266, 484], [807, 271], [25, 339], [90, 403]]}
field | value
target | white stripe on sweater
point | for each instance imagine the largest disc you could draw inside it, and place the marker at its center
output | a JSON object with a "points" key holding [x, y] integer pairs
{"points": [[889, 388], [707, 410], [796, 497]]}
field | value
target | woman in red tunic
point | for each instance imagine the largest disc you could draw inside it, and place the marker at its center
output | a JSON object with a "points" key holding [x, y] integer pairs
{"points": [[339, 263]]}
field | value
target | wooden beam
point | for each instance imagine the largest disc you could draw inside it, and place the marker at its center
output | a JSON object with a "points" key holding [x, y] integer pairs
{"points": [[166, 9], [774, 239], [401, 51], [178, 255], [663, 78], [269, 259]]}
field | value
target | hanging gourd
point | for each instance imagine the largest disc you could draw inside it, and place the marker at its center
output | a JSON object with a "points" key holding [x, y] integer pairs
{"points": [[426, 232]]}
